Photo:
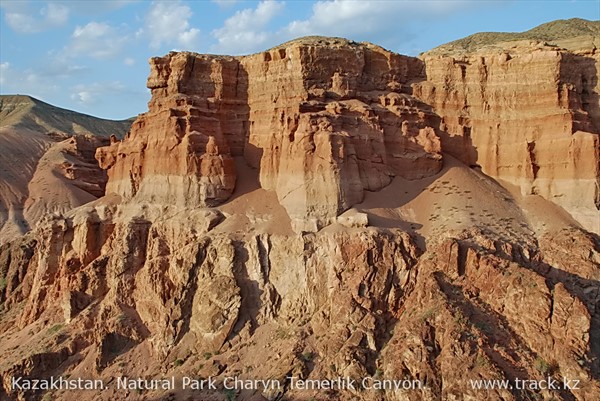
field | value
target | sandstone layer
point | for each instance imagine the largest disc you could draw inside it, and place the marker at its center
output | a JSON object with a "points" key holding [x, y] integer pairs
{"points": [[527, 113], [323, 119]]}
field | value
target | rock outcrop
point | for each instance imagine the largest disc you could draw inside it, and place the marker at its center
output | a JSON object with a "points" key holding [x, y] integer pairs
{"points": [[66, 176], [323, 119], [527, 113], [177, 152], [360, 303]]}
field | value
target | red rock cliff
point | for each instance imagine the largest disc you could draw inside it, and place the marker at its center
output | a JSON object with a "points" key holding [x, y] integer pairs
{"points": [[528, 114], [323, 119]]}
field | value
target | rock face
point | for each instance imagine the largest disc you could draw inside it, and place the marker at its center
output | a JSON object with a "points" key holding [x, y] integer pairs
{"points": [[323, 119], [333, 119], [177, 152], [526, 113], [169, 292]]}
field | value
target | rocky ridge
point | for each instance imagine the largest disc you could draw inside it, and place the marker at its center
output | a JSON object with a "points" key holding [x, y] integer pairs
{"points": [[572, 34]]}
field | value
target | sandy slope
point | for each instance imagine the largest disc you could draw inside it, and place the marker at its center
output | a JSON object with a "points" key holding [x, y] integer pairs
{"points": [[459, 198], [433, 208], [52, 190]]}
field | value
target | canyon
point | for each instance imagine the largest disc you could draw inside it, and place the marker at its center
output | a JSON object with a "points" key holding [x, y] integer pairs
{"points": [[325, 209]]}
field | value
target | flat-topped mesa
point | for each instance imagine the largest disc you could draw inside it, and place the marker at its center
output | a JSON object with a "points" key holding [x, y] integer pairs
{"points": [[330, 119], [527, 113], [323, 118]]}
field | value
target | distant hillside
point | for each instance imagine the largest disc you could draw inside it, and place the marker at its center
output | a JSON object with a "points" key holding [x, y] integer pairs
{"points": [[47, 160], [21, 111], [550, 32]]}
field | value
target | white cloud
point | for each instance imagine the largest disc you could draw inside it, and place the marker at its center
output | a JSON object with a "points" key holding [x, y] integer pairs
{"points": [[98, 40], [129, 61], [168, 23], [245, 32], [377, 19], [89, 94], [3, 71], [55, 15], [83, 97], [20, 18], [17, 81], [95, 7], [59, 66], [225, 3]]}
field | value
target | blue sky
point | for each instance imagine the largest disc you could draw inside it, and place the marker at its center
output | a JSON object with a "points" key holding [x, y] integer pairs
{"points": [[91, 56]]}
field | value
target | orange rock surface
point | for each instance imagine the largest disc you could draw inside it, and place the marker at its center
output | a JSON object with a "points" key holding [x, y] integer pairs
{"points": [[323, 119], [526, 113]]}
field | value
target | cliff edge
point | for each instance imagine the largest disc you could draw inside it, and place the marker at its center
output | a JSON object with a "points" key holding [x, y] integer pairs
{"points": [[323, 121]]}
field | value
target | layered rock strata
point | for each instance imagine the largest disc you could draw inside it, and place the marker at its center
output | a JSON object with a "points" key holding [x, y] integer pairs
{"points": [[177, 152], [323, 119], [526, 113]]}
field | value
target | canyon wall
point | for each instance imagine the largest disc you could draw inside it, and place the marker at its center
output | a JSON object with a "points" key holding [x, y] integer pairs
{"points": [[526, 113], [326, 119], [323, 119], [177, 152]]}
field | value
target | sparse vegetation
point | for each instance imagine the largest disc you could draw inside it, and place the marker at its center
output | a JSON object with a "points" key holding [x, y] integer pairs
{"points": [[481, 361], [307, 356], [178, 362], [460, 318], [2, 283], [543, 366], [229, 394], [207, 355], [429, 313], [282, 333], [549, 32], [484, 327], [56, 328]]}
